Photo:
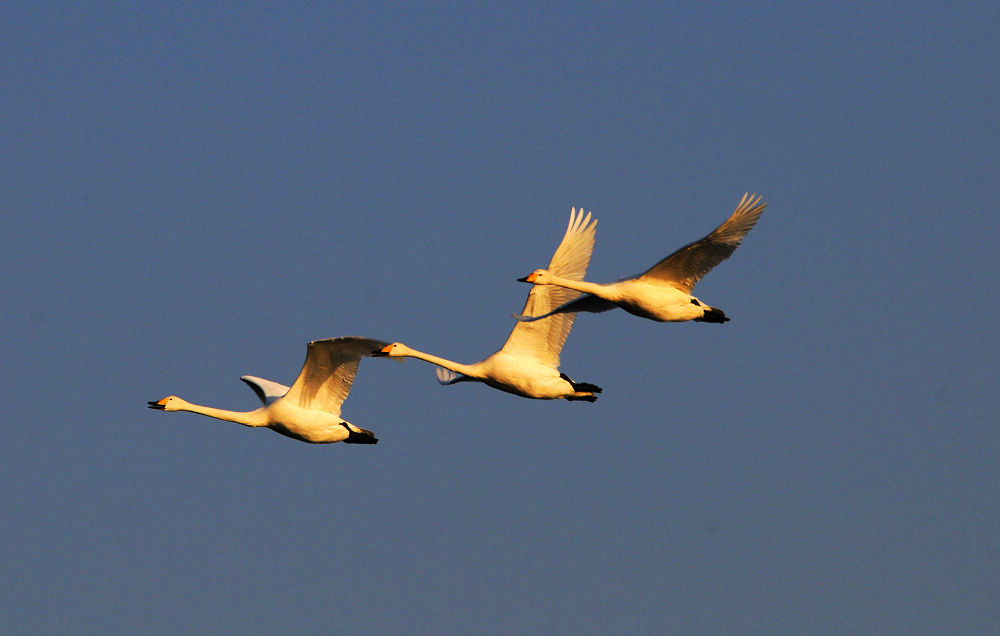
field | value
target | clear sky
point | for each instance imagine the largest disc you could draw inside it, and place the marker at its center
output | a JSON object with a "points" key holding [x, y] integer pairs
{"points": [[192, 193]]}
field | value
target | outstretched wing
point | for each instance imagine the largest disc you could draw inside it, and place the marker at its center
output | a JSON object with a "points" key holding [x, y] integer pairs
{"points": [[447, 376], [328, 372], [586, 303], [544, 339], [267, 390], [685, 267]]}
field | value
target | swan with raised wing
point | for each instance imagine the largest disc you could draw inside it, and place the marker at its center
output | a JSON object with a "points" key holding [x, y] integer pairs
{"points": [[528, 363], [663, 292], [309, 410]]}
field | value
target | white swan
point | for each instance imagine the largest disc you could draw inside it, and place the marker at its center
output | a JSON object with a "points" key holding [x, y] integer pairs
{"points": [[528, 363], [309, 410], [663, 292]]}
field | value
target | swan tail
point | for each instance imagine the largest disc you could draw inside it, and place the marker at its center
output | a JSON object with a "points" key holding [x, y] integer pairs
{"points": [[713, 314]]}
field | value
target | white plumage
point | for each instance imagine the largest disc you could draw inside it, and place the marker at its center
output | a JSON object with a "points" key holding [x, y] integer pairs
{"points": [[663, 292], [309, 410], [528, 363]]}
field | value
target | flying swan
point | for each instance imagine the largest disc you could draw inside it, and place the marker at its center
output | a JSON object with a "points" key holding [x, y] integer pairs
{"points": [[663, 292], [309, 411], [528, 363]]}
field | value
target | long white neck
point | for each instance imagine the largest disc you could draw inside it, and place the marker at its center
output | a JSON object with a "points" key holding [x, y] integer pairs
{"points": [[457, 367], [578, 285], [246, 418]]}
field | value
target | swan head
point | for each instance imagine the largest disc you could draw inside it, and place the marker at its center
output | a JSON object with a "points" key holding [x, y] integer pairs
{"points": [[394, 350], [537, 277], [169, 403]]}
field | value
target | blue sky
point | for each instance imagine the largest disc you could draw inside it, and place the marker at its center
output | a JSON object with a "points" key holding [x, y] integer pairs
{"points": [[193, 193]]}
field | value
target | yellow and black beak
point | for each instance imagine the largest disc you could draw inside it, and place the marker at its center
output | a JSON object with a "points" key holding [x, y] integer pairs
{"points": [[159, 406], [530, 278], [384, 351]]}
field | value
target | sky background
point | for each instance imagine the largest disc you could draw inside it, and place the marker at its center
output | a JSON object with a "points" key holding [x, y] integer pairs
{"points": [[191, 193]]}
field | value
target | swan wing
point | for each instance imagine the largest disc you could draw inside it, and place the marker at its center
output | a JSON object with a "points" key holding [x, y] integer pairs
{"points": [[685, 267], [544, 339], [447, 376], [586, 303], [267, 390], [328, 372]]}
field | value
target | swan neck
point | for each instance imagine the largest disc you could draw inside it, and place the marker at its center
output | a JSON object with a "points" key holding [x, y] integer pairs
{"points": [[246, 418], [457, 367], [578, 285]]}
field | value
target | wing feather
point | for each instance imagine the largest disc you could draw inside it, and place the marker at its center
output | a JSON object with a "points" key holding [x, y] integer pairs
{"points": [[267, 390], [544, 339], [328, 372], [685, 267], [585, 303], [447, 376]]}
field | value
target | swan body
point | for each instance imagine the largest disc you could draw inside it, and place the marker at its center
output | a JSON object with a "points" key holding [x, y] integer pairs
{"points": [[309, 410], [518, 374], [528, 363], [663, 292]]}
